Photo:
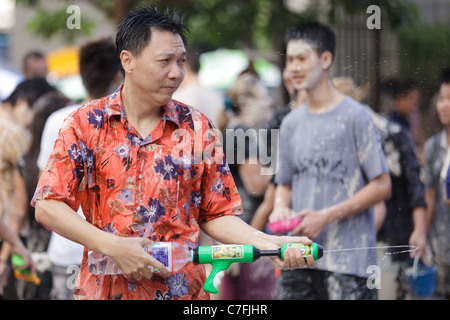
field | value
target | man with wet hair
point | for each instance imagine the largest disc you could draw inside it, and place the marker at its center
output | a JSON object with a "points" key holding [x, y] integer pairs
{"points": [[332, 171]]}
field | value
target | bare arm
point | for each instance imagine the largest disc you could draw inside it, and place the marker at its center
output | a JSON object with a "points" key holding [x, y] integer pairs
{"points": [[126, 252], [419, 235], [16, 244], [261, 215], [19, 211], [379, 213], [282, 203]]}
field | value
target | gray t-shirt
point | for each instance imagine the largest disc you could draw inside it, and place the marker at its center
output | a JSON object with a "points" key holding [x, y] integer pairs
{"points": [[327, 158]]}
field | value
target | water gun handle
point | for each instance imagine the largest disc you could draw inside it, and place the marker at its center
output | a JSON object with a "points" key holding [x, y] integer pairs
{"points": [[217, 267], [23, 274], [28, 277]]}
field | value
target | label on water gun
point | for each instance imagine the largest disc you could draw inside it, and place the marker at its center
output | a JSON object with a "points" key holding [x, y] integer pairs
{"points": [[228, 252], [315, 250], [304, 249]]}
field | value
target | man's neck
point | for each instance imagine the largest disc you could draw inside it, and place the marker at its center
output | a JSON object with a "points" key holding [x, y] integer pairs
{"points": [[140, 112], [323, 97]]}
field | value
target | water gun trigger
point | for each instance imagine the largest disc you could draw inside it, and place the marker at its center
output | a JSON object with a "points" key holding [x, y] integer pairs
{"points": [[217, 267]]}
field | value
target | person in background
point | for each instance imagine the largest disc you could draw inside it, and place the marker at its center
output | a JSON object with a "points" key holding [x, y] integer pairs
{"points": [[297, 99], [16, 116], [38, 237], [99, 70], [401, 219], [209, 101], [251, 106], [437, 159], [332, 171], [406, 112], [34, 65]]}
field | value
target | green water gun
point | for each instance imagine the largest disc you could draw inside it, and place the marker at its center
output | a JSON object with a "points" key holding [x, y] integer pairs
{"points": [[25, 273], [222, 256]]}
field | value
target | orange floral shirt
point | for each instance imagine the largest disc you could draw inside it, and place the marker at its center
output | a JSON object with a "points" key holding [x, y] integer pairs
{"points": [[161, 187]]}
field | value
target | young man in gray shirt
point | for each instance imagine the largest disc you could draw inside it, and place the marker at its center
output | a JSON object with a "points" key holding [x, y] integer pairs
{"points": [[332, 171]]}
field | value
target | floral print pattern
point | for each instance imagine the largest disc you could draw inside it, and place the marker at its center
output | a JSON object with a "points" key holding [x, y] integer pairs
{"points": [[132, 186]]}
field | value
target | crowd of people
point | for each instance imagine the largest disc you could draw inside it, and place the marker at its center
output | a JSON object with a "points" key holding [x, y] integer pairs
{"points": [[101, 174]]}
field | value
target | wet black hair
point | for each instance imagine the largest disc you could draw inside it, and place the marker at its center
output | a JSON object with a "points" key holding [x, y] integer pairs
{"points": [[318, 35], [98, 66], [135, 29]]}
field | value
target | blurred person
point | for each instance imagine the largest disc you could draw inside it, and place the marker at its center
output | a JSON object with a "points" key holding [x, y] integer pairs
{"points": [[209, 101], [332, 171], [406, 112], [113, 156], [435, 169], [297, 99], [34, 65], [251, 106], [99, 70], [16, 115], [20, 102], [38, 237], [402, 218]]}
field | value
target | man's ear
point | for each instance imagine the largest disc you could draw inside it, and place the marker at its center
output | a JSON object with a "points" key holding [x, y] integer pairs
{"points": [[127, 60], [326, 59]]}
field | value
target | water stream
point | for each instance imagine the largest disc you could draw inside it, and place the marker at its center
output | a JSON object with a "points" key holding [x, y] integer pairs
{"points": [[409, 249]]}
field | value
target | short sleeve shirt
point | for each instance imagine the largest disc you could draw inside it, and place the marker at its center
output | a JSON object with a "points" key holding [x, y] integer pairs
{"points": [[327, 158], [160, 187]]}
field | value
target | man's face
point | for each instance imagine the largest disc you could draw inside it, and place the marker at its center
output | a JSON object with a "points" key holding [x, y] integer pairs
{"points": [[35, 67], [159, 70], [304, 66], [443, 104]]}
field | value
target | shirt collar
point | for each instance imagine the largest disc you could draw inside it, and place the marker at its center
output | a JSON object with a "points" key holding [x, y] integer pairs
{"points": [[115, 107]]}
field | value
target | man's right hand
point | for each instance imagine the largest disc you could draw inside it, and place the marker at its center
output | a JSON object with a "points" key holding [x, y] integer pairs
{"points": [[136, 264]]}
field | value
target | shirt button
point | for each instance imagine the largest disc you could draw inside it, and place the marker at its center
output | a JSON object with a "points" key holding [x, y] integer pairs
{"points": [[141, 176]]}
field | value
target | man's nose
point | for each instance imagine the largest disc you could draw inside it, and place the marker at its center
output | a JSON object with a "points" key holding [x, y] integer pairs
{"points": [[176, 72]]}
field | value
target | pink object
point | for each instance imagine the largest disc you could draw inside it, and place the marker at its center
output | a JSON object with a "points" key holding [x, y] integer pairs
{"points": [[283, 226]]}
